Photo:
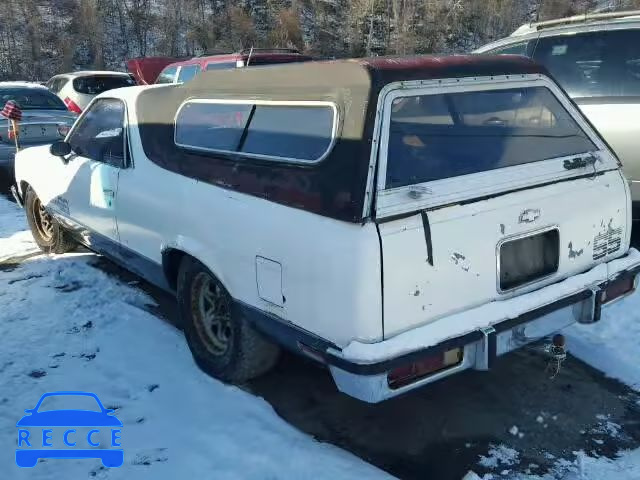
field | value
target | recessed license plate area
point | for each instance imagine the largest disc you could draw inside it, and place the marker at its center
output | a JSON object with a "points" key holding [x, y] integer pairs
{"points": [[525, 260], [32, 133]]}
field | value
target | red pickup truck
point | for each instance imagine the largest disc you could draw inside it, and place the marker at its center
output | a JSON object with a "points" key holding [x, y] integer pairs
{"points": [[149, 70]]}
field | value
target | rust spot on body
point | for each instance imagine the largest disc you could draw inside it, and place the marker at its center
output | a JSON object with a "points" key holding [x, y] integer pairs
{"points": [[574, 253], [460, 260]]}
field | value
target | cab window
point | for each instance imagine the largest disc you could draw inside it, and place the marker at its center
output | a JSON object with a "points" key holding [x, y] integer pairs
{"points": [[100, 134]]}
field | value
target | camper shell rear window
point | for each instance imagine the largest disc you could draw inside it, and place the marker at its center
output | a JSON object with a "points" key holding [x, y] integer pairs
{"points": [[444, 135], [301, 132]]}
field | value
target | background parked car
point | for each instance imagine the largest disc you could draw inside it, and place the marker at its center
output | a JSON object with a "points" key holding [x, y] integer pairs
{"points": [[596, 59], [183, 71], [146, 69], [77, 89], [45, 118]]}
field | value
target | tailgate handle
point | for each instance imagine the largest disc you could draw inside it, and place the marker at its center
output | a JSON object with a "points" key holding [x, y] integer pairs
{"points": [[427, 236]]}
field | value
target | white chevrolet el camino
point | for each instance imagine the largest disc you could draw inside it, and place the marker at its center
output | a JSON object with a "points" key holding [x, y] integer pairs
{"points": [[398, 220]]}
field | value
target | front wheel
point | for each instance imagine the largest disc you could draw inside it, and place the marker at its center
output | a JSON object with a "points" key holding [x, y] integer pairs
{"points": [[222, 343], [50, 236]]}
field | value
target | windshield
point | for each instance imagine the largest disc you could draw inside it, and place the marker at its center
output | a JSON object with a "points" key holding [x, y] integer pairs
{"points": [[447, 135], [31, 98], [96, 84]]}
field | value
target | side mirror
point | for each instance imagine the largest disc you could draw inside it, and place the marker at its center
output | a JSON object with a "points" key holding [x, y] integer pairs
{"points": [[60, 148]]}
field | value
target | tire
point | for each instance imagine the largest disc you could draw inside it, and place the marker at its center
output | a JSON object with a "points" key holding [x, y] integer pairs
{"points": [[245, 354], [50, 236]]}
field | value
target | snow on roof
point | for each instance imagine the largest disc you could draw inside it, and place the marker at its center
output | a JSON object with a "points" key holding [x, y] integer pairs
{"points": [[582, 19], [22, 85], [85, 73], [129, 94]]}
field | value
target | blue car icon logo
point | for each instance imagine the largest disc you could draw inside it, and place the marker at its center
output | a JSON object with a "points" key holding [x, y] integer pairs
{"points": [[75, 433]]}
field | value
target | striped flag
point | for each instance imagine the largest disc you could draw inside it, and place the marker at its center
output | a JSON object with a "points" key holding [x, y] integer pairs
{"points": [[12, 111]]}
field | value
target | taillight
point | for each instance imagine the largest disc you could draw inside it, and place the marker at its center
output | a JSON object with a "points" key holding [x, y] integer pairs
{"points": [[619, 288], [63, 130], [72, 106], [405, 375]]}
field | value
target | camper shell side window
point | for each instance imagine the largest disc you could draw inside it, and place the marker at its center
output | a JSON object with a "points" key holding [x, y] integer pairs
{"points": [[281, 131]]}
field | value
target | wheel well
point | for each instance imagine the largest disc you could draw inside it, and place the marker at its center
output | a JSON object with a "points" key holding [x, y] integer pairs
{"points": [[171, 259], [23, 188]]}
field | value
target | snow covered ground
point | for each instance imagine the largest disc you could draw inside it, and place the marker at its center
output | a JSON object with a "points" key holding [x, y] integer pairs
{"points": [[612, 346], [66, 325]]}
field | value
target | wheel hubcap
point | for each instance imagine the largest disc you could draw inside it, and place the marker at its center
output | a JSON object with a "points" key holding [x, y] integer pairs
{"points": [[44, 221], [210, 308]]}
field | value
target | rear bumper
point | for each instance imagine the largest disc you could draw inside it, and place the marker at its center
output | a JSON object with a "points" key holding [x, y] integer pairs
{"points": [[361, 370]]}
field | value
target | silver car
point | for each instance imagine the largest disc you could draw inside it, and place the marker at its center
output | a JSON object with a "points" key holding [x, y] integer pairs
{"points": [[45, 118], [596, 59]]}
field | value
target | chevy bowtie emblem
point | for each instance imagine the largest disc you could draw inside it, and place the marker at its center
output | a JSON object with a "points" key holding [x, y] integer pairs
{"points": [[529, 215]]}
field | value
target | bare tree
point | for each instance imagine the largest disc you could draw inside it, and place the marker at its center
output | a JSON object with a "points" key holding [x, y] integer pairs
{"points": [[39, 38]]}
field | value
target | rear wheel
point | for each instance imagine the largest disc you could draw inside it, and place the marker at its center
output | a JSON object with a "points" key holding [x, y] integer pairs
{"points": [[50, 236], [222, 343]]}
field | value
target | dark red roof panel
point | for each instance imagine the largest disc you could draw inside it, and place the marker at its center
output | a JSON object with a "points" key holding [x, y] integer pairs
{"points": [[390, 69]]}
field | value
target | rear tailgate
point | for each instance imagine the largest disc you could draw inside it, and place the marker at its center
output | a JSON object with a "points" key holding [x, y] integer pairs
{"points": [[587, 216], [484, 197]]}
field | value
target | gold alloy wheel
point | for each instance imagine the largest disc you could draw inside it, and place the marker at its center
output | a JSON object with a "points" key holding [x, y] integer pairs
{"points": [[43, 220], [210, 307]]}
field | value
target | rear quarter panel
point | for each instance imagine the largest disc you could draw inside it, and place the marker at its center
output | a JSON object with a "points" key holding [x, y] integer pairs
{"points": [[331, 280], [465, 240]]}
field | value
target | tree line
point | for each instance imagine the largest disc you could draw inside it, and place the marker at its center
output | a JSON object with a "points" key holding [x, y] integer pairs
{"points": [[39, 38]]}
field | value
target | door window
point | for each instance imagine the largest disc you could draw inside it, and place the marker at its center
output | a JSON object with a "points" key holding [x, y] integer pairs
{"points": [[99, 135], [51, 84], [188, 72], [512, 49], [60, 84], [167, 75], [221, 66], [56, 84], [594, 64]]}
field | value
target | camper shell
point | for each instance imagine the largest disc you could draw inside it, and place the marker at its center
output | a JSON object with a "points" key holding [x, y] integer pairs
{"points": [[336, 187]]}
